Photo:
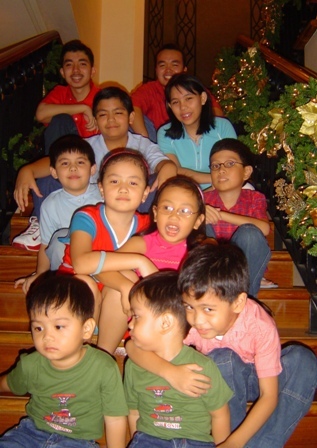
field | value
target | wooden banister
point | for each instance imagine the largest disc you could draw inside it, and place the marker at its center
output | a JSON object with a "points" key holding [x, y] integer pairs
{"points": [[15, 52], [294, 71]]}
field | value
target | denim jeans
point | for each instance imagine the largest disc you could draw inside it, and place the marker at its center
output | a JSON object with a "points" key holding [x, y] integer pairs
{"points": [[297, 385], [253, 243], [142, 440], [26, 435], [61, 124]]}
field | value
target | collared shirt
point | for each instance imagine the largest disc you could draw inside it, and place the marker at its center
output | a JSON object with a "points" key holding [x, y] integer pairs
{"points": [[253, 337], [192, 156], [250, 203], [150, 151]]}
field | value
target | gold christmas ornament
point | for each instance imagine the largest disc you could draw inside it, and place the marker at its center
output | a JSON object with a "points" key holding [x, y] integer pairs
{"points": [[309, 114]]}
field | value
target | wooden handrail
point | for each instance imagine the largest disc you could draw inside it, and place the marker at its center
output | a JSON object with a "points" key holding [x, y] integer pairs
{"points": [[294, 71], [15, 52]]}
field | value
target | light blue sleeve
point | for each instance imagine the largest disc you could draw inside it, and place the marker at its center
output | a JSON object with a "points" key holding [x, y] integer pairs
{"points": [[224, 128], [165, 143]]}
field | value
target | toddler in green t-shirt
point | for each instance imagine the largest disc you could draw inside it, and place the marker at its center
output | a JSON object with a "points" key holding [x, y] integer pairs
{"points": [[75, 389], [159, 415]]}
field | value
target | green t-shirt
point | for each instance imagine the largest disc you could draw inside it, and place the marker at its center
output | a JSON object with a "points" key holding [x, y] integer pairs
{"points": [[168, 414], [70, 402]]}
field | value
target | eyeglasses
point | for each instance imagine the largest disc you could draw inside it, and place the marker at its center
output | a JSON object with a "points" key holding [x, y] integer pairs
{"points": [[182, 212], [227, 164]]}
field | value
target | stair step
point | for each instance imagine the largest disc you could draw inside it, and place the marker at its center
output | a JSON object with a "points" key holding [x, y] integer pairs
{"points": [[280, 269], [16, 263], [18, 224]]}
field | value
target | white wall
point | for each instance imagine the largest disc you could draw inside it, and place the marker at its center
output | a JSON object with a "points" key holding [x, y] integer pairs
{"points": [[21, 19], [310, 53]]}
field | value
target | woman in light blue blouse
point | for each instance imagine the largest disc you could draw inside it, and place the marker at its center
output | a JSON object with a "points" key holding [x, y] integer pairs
{"points": [[193, 129]]}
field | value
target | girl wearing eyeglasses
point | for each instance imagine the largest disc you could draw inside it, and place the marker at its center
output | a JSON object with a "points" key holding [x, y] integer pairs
{"points": [[193, 128], [234, 213]]}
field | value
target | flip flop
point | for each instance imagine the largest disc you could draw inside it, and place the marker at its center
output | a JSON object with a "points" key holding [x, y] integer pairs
{"points": [[267, 284]]}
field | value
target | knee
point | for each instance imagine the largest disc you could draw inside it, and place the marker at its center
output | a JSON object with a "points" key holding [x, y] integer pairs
{"points": [[302, 362]]}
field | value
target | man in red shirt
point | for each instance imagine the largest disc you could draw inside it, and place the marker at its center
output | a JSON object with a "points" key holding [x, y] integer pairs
{"points": [[149, 99], [67, 109]]}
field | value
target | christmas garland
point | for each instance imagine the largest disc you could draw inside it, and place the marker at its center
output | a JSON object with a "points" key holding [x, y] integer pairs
{"points": [[287, 127]]}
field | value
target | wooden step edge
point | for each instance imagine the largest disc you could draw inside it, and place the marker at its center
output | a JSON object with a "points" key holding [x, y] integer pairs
{"points": [[280, 255], [6, 251], [287, 293]]}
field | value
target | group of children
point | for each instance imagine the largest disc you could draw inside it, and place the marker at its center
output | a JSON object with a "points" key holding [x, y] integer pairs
{"points": [[156, 284]]}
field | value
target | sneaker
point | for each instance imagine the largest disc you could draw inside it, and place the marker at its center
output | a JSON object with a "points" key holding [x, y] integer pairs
{"points": [[267, 284], [30, 239]]}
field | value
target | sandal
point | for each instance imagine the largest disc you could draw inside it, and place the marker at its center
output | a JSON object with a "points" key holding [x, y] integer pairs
{"points": [[267, 284]]}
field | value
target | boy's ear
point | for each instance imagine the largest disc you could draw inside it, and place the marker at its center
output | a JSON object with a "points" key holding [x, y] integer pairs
{"points": [[145, 194], [93, 169], [93, 72], [167, 321], [88, 328], [61, 70], [131, 118], [53, 172], [248, 170], [239, 303]]}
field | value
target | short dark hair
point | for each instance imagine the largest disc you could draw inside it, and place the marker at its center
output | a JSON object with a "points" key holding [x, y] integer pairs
{"points": [[74, 46], [234, 145], [170, 46], [195, 86], [188, 184], [162, 295], [126, 154], [70, 143], [222, 268], [52, 291], [112, 92]]}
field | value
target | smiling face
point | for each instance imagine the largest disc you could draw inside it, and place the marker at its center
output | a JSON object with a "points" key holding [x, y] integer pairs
{"points": [[59, 335], [229, 179], [168, 62], [77, 70], [123, 186], [211, 316], [173, 227], [73, 170], [113, 120], [187, 107]]}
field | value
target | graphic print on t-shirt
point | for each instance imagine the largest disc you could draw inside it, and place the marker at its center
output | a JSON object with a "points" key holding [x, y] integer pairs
{"points": [[162, 410], [62, 416]]}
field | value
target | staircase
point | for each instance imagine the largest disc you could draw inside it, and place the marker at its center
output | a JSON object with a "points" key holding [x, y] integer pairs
{"points": [[289, 303]]}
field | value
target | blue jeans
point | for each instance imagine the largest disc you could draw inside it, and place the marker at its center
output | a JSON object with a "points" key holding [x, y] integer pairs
{"points": [[140, 439], [253, 243], [297, 385], [61, 124], [26, 435]]}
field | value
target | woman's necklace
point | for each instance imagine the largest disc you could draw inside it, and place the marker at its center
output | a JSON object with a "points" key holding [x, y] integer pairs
{"points": [[195, 137]]}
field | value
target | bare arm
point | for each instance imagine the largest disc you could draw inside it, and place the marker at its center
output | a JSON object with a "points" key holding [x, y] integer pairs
{"points": [[43, 265], [220, 424], [185, 378], [165, 169], [213, 215], [116, 431], [132, 419], [4, 384], [257, 416], [26, 180], [86, 261], [198, 176], [138, 124]]}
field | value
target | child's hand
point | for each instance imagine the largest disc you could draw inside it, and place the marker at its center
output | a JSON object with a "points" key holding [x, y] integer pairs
{"points": [[213, 215], [187, 379], [26, 282]]}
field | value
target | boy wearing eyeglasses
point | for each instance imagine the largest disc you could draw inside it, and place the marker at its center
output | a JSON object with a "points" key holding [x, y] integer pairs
{"points": [[236, 214]]}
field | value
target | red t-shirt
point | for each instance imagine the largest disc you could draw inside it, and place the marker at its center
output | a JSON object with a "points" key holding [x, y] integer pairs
{"points": [[64, 95]]}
